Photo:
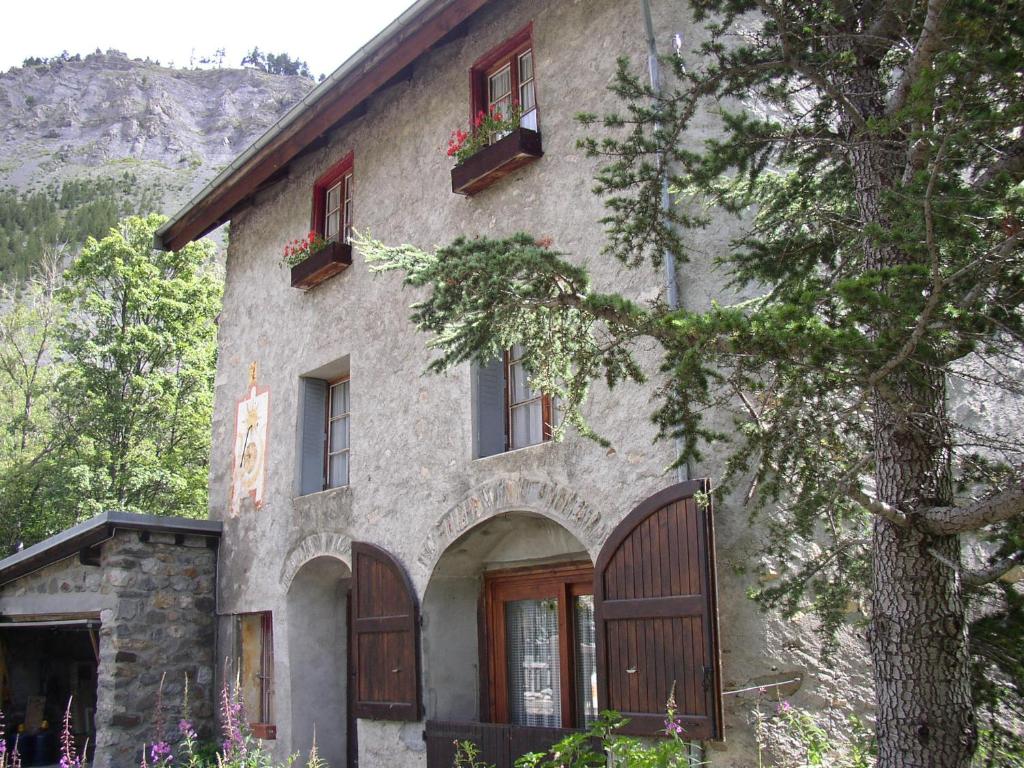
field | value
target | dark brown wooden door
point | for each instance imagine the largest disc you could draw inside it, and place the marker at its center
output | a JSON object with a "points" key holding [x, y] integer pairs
{"points": [[656, 615], [385, 637]]}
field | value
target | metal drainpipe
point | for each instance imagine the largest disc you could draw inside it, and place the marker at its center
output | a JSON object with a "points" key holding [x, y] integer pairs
{"points": [[683, 471]]}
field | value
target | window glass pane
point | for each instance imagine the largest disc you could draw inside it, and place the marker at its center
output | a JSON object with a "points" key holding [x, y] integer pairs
{"points": [[339, 434], [334, 197], [331, 226], [347, 221], [339, 399], [534, 687], [338, 470], [499, 85], [526, 97], [586, 659], [527, 424], [520, 383], [525, 66]]}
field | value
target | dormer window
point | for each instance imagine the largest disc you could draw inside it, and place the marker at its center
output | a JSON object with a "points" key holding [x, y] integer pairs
{"points": [[331, 219], [332, 202], [338, 211], [511, 80], [502, 81]]}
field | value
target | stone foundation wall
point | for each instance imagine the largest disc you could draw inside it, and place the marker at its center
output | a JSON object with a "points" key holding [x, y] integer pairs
{"points": [[161, 628], [153, 594]]}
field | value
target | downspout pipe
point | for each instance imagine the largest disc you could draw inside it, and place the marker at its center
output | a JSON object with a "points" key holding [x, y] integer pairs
{"points": [[684, 471]]}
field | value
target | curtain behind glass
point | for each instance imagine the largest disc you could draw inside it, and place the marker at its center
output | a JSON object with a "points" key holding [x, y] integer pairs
{"points": [[586, 658], [534, 690]]}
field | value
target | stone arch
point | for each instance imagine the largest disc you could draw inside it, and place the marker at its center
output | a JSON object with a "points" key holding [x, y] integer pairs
{"points": [[336, 545], [519, 494]]}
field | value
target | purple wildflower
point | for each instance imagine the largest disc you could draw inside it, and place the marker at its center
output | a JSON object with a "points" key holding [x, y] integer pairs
{"points": [[68, 756], [232, 716], [785, 706], [186, 729], [160, 752], [673, 726]]}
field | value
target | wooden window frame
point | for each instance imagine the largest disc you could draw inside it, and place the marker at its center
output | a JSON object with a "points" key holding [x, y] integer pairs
{"points": [[339, 173], [563, 581], [506, 53], [546, 408], [263, 727], [328, 418]]}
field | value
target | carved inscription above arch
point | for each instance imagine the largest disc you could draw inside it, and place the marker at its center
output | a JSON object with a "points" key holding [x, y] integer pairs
{"points": [[514, 495], [336, 545]]}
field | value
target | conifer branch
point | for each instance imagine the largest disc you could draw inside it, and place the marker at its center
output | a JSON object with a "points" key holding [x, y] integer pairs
{"points": [[997, 508], [998, 569], [927, 45]]}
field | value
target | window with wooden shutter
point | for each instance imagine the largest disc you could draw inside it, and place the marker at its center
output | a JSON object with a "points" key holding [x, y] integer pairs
{"points": [[385, 637], [508, 413], [314, 435], [656, 615]]}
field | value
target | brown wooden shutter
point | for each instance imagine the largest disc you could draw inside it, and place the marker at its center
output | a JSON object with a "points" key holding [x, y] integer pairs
{"points": [[656, 615], [385, 637]]}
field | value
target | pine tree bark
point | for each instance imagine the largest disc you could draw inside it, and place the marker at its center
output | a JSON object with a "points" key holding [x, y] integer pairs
{"points": [[918, 626]]}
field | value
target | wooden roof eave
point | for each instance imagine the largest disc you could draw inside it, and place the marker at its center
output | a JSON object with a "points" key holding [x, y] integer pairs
{"points": [[368, 70]]}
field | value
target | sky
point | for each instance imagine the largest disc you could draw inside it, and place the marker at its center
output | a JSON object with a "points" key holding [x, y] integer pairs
{"points": [[323, 34]]}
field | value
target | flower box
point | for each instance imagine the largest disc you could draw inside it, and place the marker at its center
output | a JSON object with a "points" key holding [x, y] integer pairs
{"points": [[496, 161], [323, 264]]}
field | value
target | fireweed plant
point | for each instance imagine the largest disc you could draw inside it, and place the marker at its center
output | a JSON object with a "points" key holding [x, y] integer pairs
{"points": [[69, 758], [486, 128], [9, 759]]}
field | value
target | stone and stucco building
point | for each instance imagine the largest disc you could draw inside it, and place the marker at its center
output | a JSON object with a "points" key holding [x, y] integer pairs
{"points": [[406, 558]]}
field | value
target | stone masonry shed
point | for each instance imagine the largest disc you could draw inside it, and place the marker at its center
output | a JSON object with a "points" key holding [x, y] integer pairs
{"points": [[100, 613]]}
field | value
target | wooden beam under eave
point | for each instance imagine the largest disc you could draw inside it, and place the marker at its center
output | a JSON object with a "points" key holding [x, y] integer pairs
{"points": [[320, 117]]}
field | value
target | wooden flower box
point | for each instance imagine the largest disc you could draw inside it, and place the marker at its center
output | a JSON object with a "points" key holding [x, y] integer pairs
{"points": [[323, 264], [496, 161]]}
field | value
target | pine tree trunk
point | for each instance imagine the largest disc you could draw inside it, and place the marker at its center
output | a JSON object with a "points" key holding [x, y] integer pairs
{"points": [[918, 630]]}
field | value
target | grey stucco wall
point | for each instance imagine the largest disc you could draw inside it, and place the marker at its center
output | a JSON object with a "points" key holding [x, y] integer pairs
{"points": [[415, 487], [155, 601]]}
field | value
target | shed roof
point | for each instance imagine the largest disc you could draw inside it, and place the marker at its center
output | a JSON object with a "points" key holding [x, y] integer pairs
{"points": [[372, 67], [93, 531]]}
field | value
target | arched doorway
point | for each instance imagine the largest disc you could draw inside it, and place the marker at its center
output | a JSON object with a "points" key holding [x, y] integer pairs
{"points": [[318, 650], [508, 630]]}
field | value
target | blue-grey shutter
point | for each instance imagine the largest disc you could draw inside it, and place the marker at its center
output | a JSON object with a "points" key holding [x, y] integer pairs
{"points": [[490, 408], [314, 417]]}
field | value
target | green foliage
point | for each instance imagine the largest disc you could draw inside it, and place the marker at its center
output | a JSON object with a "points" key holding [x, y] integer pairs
{"points": [[795, 738], [106, 383], [139, 351], [600, 745], [466, 754], [29, 435], [68, 213], [276, 63]]}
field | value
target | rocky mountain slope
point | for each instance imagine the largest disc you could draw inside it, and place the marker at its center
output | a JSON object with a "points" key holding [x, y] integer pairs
{"points": [[164, 132]]}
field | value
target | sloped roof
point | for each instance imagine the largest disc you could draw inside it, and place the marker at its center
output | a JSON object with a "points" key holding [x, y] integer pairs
{"points": [[93, 531], [371, 68]]}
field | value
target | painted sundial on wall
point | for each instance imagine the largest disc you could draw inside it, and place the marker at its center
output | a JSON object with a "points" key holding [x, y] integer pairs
{"points": [[249, 467]]}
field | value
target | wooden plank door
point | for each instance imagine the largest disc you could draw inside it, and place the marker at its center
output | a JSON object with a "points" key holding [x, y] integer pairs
{"points": [[656, 615], [385, 637]]}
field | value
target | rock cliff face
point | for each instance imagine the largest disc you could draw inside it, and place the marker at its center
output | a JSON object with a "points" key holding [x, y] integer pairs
{"points": [[106, 114]]}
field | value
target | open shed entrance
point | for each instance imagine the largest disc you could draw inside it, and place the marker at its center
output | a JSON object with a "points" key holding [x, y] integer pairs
{"points": [[43, 665]]}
